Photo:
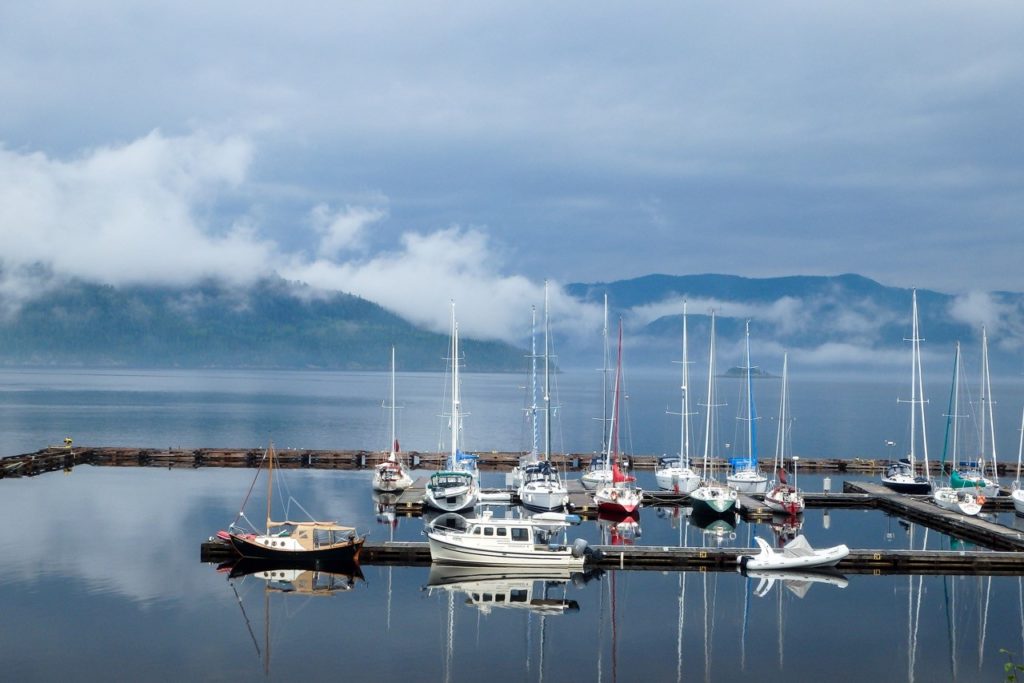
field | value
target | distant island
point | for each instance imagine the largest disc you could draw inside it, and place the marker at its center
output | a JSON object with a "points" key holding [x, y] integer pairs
{"points": [[737, 372]]}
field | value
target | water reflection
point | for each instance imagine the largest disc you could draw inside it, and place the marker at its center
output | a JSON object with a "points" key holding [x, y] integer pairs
{"points": [[294, 579]]}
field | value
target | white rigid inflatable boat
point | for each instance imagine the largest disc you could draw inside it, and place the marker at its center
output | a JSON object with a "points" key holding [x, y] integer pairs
{"points": [[798, 553]]}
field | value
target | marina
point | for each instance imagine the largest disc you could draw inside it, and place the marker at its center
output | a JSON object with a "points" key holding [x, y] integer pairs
{"points": [[100, 506]]}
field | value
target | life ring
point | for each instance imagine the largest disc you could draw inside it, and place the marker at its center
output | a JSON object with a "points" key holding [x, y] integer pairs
{"points": [[981, 500]]}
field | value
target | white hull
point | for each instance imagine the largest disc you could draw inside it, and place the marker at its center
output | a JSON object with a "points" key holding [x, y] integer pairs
{"points": [[544, 496], [713, 499], [596, 478], [389, 481], [502, 543], [797, 554], [1018, 501], [784, 499], [957, 500], [748, 482], [681, 479], [453, 499]]}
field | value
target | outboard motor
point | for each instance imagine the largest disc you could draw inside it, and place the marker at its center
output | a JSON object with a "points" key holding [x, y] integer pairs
{"points": [[579, 548]]}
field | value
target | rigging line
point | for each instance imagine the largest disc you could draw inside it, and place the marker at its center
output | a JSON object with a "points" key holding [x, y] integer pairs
{"points": [[248, 624], [241, 512]]}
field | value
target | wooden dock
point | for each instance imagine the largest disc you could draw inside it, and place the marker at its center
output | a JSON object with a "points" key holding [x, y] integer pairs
{"points": [[669, 558], [64, 457], [922, 510]]}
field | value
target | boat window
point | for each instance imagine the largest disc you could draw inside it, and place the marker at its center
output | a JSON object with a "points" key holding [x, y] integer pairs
{"points": [[499, 598], [502, 531], [488, 531], [518, 595], [520, 534], [476, 531]]}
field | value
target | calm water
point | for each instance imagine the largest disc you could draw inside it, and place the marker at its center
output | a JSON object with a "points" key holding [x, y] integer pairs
{"points": [[100, 574]]}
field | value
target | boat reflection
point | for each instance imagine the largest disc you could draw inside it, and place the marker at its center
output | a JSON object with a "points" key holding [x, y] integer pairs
{"points": [[716, 530], [785, 528], [619, 529], [796, 582], [311, 578], [523, 588]]}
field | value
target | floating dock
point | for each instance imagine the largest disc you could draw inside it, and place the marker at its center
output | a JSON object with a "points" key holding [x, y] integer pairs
{"points": [[667, 558], [65, 457]]}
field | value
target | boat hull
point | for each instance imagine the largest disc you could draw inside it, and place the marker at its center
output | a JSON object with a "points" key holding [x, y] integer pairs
{"points": [[784, 499], [544, 498], [1018, 501], [447, 549], [715, 501], [907, 484], [255, 550], [748, 481], [957, 500], [677, 479]]}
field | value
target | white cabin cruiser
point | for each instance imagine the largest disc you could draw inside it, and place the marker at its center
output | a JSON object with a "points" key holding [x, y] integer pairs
{"points": [[504, 542]]}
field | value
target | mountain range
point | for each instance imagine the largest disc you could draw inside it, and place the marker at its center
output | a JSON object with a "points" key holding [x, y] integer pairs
{"points": [[281, 324]]}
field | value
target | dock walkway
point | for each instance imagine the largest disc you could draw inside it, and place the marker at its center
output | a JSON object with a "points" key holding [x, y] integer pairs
{"points": [[669, 558]]}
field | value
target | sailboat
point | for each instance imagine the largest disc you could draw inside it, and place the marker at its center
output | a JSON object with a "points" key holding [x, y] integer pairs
{"points": [[901, 476], [292, 541], [711, 498], [964, 500], [1018, 493], [783, 497], [515, 479], [457, 486], [620, 495], [972, 474], [599, 473], [746, 476], [390, 475], [675, 474], [542, 487]]}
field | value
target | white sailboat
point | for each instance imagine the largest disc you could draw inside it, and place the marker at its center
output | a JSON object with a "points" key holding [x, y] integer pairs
{"points": [[901, 476], [515, 479], [964, 500], [675, 474], [784, 497], [1018, 493], [620, 495], [391, 476], [456, 487], [711, 497], [745, 475], [542, 487], [972, 475], [599, 472]]}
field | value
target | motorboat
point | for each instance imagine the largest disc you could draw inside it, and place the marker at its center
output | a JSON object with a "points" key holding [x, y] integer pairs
{"points": [[797, 554], [503, 542]]}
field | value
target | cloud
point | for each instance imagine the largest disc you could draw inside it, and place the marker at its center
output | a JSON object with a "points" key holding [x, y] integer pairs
{"points": [[131, 213], [430, 270], [343, 230], [1003, 321]]}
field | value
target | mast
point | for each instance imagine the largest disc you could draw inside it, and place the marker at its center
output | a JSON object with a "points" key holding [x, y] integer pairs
{"points": [[455, 390], [920, 391], [780, 438], [1020, 452], [711, 396], [751, 416], [394, 441], [604, 381], [986, 405], [533, 380], [613, 430], [270, 481], [547, 379], [685, 422]]}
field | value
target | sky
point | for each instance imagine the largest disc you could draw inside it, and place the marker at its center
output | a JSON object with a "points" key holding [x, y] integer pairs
{"points": [[415, 153]]}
